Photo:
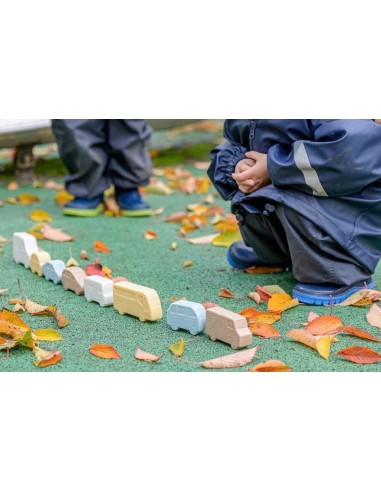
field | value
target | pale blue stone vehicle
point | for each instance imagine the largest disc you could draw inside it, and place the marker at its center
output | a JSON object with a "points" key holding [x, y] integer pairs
{"points": [[187, 315], [53, 270]]}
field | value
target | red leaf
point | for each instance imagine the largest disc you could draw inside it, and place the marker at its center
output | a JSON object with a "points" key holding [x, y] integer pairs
{"points": [[359, 355], [95, 269], [226, 293], [356, 332]]}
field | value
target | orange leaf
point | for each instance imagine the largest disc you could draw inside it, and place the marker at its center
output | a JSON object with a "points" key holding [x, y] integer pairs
{"points": [[264, 330], [271, 366], [14, 319], [325, 325], [281, 302], [262, 270], [359, 355], [250, 313], [146, 357], [187, 263], [149, 235], [175, 217], [225, 293], [46, 358], [100, 247], [54, 359], [356, 332], [104, 351], [237, 359]]}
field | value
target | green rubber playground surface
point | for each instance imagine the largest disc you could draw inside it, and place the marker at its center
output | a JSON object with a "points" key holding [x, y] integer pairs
{"points": [[154, 264]]}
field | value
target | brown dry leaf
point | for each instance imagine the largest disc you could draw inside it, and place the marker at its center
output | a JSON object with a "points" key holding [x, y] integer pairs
{"points": [[27, 199], [150, 235], [323, 346], [359, 355], [361, 298], [271, 366], [173, 246], [40, 216], [112, 206], [237, 359], [197, 208], [202, 165], [55, 234], [175, 217], [100, 247], [145, 356], [356, 332], [83, 255], [46, 358], [104, 351], [2, 291], [3, 240], [36, 309], [187, 264], [203, 239], [18, 308], [53, 185], [263, 270], [214, 210], [255, 297], [325, 325], [304, 337], [157, 187], [264, 330], [13, 185], [178, 348], [226, 293], [281, 302], [374, 316], [16, 301], [72, 262], [208, 305], [158, 211]]}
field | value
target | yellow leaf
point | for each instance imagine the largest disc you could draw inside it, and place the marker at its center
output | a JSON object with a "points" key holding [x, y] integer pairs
{"points": [[280, 302], [26, 199], [40, 216], [227, 238], [63, 197], [187, 264], [48, 335], [178, 348], [323, 346]]}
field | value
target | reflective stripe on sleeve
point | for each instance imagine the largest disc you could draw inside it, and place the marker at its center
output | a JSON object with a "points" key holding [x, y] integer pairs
{"points": [[310, 175]]}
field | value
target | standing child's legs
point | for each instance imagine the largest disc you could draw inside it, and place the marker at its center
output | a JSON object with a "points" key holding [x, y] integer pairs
{"points": [[130, 164]]}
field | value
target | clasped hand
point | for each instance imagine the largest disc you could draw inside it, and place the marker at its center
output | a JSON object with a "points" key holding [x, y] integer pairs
{"points": [[251, 173]]}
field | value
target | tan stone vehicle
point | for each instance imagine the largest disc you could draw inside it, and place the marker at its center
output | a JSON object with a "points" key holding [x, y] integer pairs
{"points": [[227, 327]]}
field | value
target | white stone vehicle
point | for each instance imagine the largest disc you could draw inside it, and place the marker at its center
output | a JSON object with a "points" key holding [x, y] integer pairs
{"points": [[24, 245], [99, 289]]}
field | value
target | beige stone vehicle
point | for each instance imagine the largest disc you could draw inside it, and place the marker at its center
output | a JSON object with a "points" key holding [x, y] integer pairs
{"points": [[73, 278], [227, 327], [137, 300], [37, 261]]}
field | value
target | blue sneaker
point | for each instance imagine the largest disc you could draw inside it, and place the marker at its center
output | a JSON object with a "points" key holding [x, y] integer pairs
{"points": [[240, 256], [84, 207], [131, 203], [326, 294]]}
